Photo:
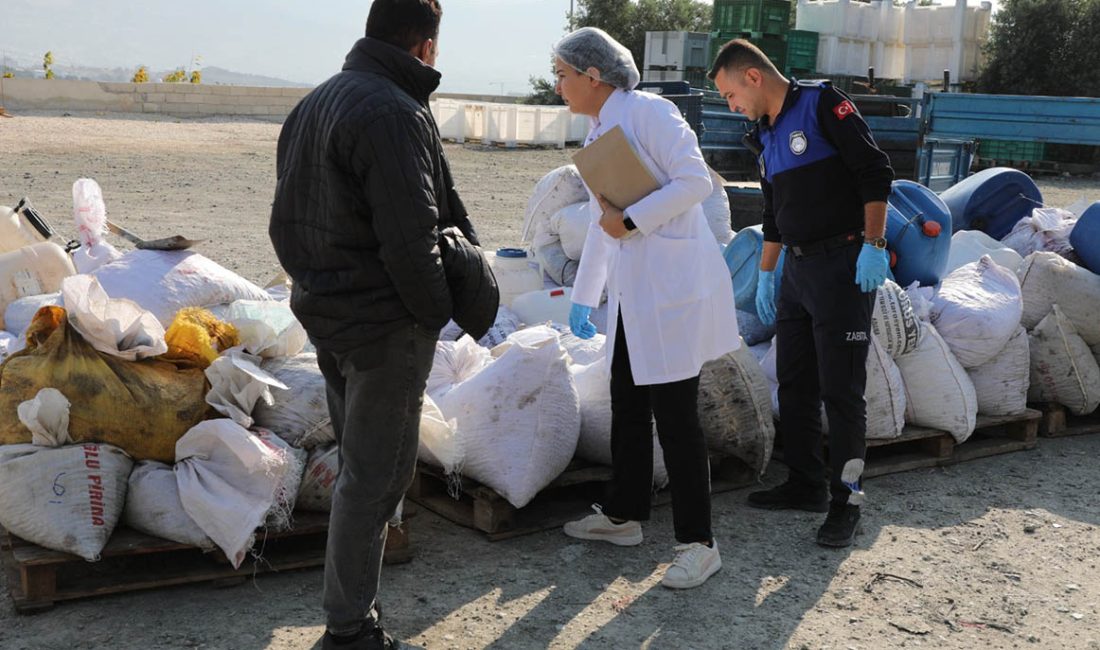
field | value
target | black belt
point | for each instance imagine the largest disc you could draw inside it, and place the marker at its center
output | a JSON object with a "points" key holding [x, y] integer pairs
{"points": [[820, 246]]}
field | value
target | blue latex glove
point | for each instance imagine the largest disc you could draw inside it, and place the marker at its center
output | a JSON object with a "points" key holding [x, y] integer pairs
{"points": [[579, 324], [765, 297], [871, 268]]}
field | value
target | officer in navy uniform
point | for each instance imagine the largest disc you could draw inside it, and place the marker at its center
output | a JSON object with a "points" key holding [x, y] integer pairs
{"points": [[825, 185]]}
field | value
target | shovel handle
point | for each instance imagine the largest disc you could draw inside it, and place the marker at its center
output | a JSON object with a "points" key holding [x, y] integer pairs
{"points": [[122, 232]]}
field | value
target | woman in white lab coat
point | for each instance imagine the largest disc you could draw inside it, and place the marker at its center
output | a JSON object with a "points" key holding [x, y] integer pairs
{"points": [[670, 305]]}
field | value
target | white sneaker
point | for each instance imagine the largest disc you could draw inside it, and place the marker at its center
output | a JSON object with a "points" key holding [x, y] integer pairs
{"points": [[599, 527], [694, 563]]}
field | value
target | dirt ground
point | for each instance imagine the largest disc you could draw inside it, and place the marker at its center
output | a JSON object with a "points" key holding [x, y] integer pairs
{"points": [[996, 553]]}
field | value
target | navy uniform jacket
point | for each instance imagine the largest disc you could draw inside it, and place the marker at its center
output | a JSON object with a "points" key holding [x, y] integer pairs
{"points": [[819, 165]]}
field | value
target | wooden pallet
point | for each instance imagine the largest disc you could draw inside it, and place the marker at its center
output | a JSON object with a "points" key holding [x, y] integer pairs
{"points": [[920, 447], [132, 561], [570, 496], [1058, 422]]}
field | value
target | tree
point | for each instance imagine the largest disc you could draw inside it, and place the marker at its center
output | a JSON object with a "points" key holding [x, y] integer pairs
{"points": [[1043, 47], [543, 93], [47, 64], [628, 21], [178, 76], [141, 76]]}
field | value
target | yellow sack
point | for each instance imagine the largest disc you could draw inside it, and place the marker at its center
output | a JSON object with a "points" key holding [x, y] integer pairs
{"points": [[196, 337], [143, 407]]}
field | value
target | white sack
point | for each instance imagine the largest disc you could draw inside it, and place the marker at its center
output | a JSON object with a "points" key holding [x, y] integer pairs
{"points": [[19, 313], [47, 416], [439, 446], [884, 394], [1047, 229], [87, 259], [1063, 370], [970, 245], [153, 506], [454, 363], [559, 188], [518, 419], [735, 408], [716, 208], [322, 470], [921, 300], [506, 323], [571, 225], [114, 326], [228, 481], [594, 444], [894, 322], [584, 351], [237, 384], [267, 328], [1002, 383], [977, 310], [164, 282], [938, 392], [67, 499], [280, 517], [300, 413], [10, 344], [1047, 279]]}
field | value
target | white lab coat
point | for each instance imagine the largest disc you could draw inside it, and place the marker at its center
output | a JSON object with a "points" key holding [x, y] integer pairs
{"points": [[669, 280]]}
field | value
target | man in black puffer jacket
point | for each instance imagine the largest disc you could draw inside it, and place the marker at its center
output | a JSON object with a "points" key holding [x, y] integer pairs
{"points": [[363, 193]]}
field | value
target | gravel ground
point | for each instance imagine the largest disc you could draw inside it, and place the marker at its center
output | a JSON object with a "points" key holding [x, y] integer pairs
{"points": [[996, 553]]}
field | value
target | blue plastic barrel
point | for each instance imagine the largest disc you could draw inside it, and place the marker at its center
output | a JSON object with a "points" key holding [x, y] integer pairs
{"points": [[992, 201], [1085, 238], [918, 234], [743, 260]]}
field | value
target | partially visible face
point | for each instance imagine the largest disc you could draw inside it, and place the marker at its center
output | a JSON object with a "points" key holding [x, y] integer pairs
{"points": [[432, 51], [742, 91], [575, 88]]}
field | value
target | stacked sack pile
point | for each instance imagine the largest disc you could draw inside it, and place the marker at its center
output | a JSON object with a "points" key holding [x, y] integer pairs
{"points": [[1007, 323], [143, 389], [514, 409]]}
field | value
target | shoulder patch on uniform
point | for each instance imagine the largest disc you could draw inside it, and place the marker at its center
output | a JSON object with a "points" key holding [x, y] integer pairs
{"points": [[798, 143], [844, 109]]}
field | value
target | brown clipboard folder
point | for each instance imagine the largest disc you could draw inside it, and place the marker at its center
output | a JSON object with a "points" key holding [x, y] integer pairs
{"points": [[610, 167]]}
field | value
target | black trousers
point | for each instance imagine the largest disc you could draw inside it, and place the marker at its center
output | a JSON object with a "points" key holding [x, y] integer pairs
{"points": [[675, 407], [823, 331]]}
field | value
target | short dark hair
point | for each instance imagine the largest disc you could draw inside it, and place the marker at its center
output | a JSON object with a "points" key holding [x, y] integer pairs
{"points": [[404, 23], [740, 54]]}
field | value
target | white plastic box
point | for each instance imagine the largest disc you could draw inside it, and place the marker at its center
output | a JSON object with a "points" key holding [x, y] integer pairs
{"points": [[508, 124], [676, 50]]}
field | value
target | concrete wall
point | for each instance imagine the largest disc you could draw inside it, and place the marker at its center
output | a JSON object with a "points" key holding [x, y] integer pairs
{"points": [[175, 100]]}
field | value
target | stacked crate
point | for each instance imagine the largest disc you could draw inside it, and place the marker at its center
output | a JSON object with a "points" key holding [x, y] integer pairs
{"points": [[765, 23]]}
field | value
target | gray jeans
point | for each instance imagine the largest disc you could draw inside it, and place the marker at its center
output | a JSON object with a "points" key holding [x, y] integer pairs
{"points": [[375, 394]]}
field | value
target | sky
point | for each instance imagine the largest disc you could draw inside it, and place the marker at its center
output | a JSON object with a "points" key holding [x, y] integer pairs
{"points": [[487, 46]]}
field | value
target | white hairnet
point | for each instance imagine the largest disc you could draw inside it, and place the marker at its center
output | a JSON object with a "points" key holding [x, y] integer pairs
{"points": [[590, 47]]}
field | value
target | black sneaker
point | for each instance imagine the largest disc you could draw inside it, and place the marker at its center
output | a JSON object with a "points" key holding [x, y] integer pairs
{"points": [[791, 496], [841, 526], [369, 637]]}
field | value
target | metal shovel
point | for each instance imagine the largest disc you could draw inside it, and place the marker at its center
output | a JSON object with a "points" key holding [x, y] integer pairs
{"points": [[174, 243]]}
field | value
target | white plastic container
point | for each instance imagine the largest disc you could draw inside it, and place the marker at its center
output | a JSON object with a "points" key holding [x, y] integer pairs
{"points": [[31, 271], [970, 245], [544, 305], [17, 231], [515, 273]]}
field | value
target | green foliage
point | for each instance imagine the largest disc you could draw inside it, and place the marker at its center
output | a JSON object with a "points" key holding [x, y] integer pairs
{"points": [[196, 76], [47, 64], [1043, 47], [542, 92], [627, 22], [141, 76], [179, 76]]}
